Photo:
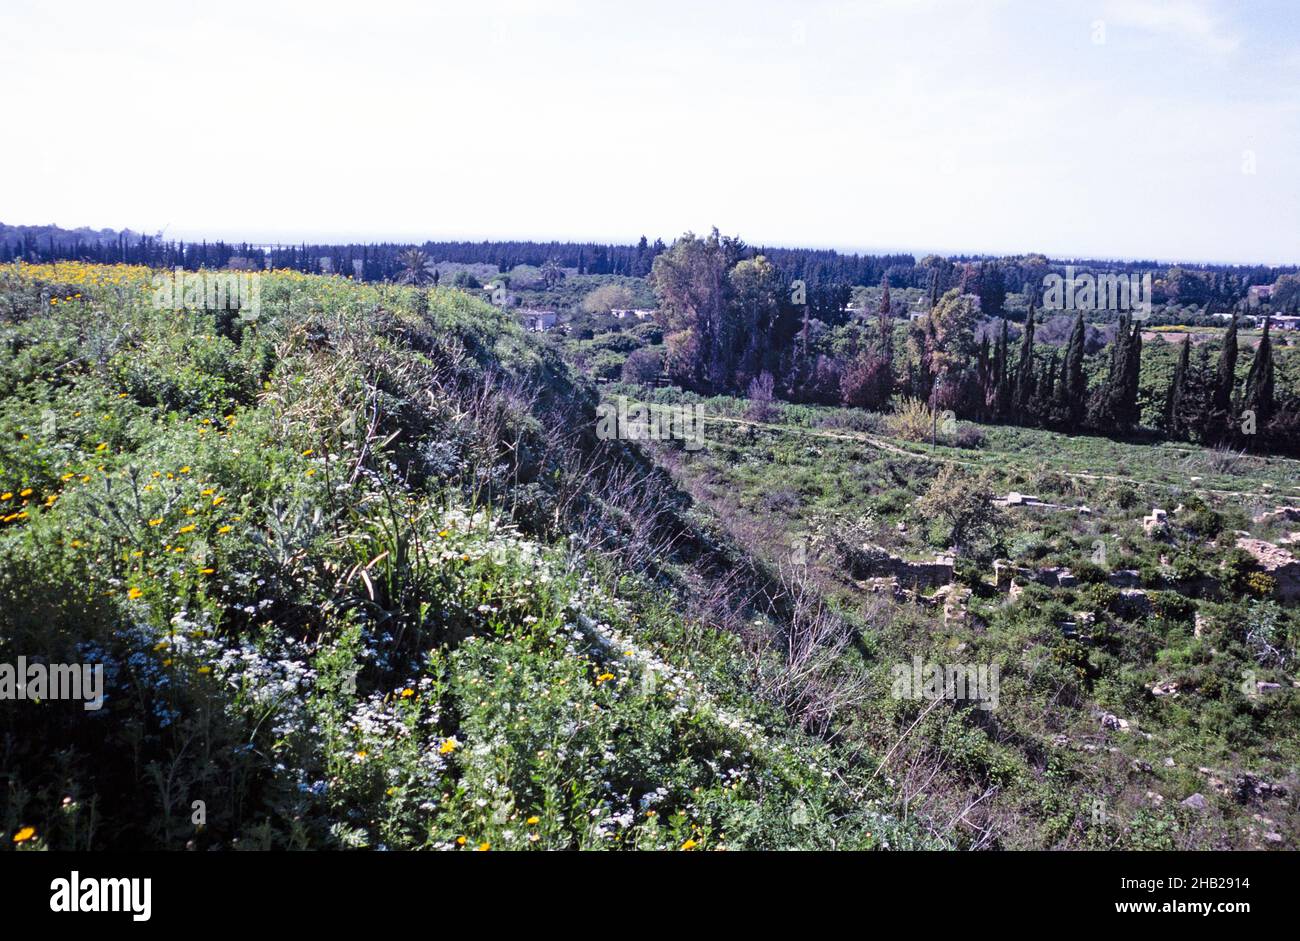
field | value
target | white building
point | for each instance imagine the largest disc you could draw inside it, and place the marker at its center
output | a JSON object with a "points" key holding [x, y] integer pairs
{"points": [[538, 321]]}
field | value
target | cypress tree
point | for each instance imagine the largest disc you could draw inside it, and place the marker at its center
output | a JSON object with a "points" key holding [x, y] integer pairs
{"points": [[1001, 381], [1074, 384], [1176, 400], [1259, 381], [1046, 394], [1130, 414], [1225, 378], [1115, 405], [1024, 386]]}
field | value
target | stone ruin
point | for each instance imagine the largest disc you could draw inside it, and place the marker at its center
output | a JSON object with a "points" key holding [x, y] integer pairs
{"points": [[1007, 576], [1156, 523], [1015, 499], [873, 562]]}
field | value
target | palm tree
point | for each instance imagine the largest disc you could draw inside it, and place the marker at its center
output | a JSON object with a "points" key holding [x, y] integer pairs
{"points": [[552, 273], [417, 269]]}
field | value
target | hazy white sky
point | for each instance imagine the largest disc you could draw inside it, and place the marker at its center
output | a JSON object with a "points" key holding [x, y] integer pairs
{"points": [[1132, 128]]}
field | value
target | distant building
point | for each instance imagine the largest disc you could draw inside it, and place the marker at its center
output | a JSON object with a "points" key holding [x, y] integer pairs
{"points": [[622, 313], [538, 321], [1287, 322], [1259, 292], [239, 263]]}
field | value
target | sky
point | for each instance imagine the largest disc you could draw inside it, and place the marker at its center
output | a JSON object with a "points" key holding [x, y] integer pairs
{"points": [[1078, 128]]}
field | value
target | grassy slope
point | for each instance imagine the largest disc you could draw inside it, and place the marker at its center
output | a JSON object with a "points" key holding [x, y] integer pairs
{"points": [[356, 583]]}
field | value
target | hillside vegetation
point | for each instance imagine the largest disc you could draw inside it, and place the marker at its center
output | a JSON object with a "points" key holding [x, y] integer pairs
{"points": [[363, 577], [362, 574]]}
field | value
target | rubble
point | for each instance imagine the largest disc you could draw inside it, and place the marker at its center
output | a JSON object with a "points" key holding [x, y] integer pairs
{"points": [[1277, 562]]}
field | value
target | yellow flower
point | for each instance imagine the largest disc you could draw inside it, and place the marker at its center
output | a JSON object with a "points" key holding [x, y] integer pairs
{"points": [[25, 834], [26, 492], [362, 754], [157, 521], [448, 746], [443, 534], [134, 593], [532, 820], [408, 693], [484, 847], [185, 469], [307, 453], [311, 472], [209, 492], [102, 446], [206, 571], [6, 496], [68, 476], [689, 845], [186, 529], [217, 501], [604, 678], [223, 529], [460, 841], [204, 671]]}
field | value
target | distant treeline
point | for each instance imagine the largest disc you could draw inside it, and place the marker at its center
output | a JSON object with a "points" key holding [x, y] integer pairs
{"points": [[828, 276], [731, 325]]}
